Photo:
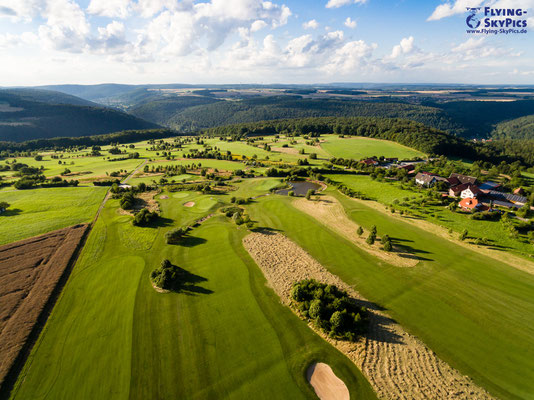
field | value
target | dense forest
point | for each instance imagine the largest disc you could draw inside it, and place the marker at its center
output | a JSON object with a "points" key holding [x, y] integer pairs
{"points": [[23, 119], [271, 108]]}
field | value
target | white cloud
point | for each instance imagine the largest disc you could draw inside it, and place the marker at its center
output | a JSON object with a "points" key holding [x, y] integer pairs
{"points": [[311, 24], [21, 10], [350, 23], [9, 40], [405, 47], [258, 25], [110, 8], [341, 3], [66, 27], [449, 9], [352, 57]]}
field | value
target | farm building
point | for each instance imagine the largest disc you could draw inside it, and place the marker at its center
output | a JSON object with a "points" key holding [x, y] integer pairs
{"points": [[462, 179], [369, 161]]}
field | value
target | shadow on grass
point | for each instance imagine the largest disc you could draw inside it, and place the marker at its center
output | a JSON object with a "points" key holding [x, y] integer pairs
{"points": [[160, 222], [191, 241], [11, 212], [188, 283], [380, 326]]}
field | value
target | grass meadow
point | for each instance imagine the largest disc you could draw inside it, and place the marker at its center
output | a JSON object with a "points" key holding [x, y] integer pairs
{"points": [[362, 147], [111, 335], [34, 212]]}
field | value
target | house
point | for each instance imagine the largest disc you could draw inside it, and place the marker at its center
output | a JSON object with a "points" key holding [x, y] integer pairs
{"points": [[392, 160], [471, 191], [469, 204], [407, 167], [519, 191], [425, 179], [369, 161], [463, 178]]}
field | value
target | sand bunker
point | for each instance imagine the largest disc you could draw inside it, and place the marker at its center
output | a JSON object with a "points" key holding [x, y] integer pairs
{"points": [[189, 204], [329, 212], [397, 364], [326, 384]]}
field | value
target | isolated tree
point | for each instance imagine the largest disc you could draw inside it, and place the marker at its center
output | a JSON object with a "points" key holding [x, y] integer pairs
{"points": [[38, 158], [309, 194], [4, 206], [360, 231], [464, 234], [373, 230], [371, 238]]}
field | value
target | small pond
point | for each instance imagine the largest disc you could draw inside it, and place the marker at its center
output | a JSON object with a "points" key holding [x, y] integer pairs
{"points": [[299, 187]]}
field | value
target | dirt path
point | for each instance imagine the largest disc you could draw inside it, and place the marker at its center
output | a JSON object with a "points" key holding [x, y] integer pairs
{"points": [[502, 256], [135, 171], [326, 384], [329, 212], [397, 364]]}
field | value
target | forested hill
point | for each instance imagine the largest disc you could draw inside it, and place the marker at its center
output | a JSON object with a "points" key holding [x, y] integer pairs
{"points": [[25, 115], [519, 128], [219, 113], [409, 133]]}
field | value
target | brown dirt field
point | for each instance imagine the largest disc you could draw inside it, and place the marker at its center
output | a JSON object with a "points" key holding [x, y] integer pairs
{"points": [[329, 212], [397, 364], [189, 204], [326, 384], [504, 257], [30, 273]]}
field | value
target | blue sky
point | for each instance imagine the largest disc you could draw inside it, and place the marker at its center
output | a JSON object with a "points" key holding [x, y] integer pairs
{"points": [[256, 41]]}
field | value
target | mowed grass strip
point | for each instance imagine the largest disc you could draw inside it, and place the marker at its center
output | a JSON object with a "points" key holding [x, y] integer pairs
{"points": [[38, 211], [362, 147], [475, 313], [112, 335]]}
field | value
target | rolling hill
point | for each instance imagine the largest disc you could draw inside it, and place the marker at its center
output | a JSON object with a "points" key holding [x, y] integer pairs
{"points": [[32, 114]]}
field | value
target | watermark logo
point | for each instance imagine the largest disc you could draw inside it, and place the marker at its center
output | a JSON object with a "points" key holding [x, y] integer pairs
{"points": [[473, 20], [496, 20]]}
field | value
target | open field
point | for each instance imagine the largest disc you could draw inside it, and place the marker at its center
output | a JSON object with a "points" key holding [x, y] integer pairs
{"points": [[453, 300], [39, 211], [362, 147], [174, 345], [30, 271]]}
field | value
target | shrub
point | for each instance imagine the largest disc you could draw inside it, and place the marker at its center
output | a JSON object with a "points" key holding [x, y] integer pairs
{"points": [[127, 201], [360, 231], [144, 217], [291, 193], [330, 308], [167, 276], [175, 236], [371, 238]]}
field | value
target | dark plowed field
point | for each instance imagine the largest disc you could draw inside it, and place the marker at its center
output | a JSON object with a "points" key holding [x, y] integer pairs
{"points": [[30, 273]]}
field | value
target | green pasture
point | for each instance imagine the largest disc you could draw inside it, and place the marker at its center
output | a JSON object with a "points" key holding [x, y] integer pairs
{"points": [[387, 192], [362, 147], [475, 313], [38, 211], [111, 335]]}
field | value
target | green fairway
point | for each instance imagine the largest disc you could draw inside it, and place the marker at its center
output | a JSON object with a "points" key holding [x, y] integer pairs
{"points": [[474, 312], [38, 211], [361, 147], [111, 335]]}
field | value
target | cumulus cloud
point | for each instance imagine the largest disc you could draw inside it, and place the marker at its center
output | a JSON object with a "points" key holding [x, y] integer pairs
{"points": [[350, 23], [66, 26], [341, 3], [21, 10], [258, 25], [404, 47], [110, 8], [352, 57], [311, 24]]}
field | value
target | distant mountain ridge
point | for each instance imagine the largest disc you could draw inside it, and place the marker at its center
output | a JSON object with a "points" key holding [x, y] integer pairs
{"points": [[27, 114]]}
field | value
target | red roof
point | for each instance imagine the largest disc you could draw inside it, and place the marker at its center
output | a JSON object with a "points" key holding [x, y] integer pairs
{"points": [[468, 203]]}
